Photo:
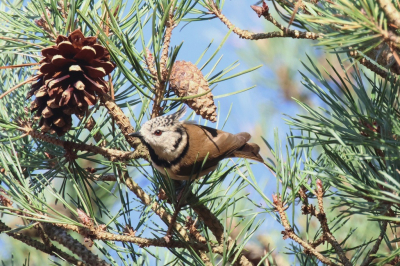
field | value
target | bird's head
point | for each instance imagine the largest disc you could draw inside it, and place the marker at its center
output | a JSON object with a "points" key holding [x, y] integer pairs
{"points": [[165, 135]]}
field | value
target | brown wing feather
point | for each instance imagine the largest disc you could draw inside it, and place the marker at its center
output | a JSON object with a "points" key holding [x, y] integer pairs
{"points": [[217, 144], [204, 140]]}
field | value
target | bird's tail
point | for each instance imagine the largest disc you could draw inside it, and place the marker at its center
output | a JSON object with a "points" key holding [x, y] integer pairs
{"points": [[248, 151]]}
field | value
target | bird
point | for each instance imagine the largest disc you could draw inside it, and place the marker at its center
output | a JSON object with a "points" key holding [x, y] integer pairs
{"points": [[178, 148]]}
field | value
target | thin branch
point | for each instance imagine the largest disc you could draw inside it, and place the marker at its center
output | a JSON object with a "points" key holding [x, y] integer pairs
{"points": [[18, 66], [149, 59], [216, 227], [90, 124], [191, 226], [318, 242], [123, 123], [325, 228], [367, 261], [368, 64], [257, 36], [69, 145], [395, 55], [99, 234], [171, 225], [161, 81], [145, 199], [19, 85], [210, 220], [21, 41], [61, 236], [390, 11], [205, 258], [53, 251], [292, 235]]}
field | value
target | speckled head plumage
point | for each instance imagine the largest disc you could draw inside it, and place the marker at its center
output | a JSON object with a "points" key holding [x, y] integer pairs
{"points": [[167, 120], [164, 136]]}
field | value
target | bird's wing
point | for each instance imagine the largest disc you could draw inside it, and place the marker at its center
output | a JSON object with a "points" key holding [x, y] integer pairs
{"points": [[206, 141]]}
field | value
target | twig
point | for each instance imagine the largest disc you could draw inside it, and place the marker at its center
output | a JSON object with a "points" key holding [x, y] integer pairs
{"points": [[149, 59], [318, 242], [210, 220], [325, 228], [18, 66], [257, 36], [45, 238], [61, 236], [205, 259], [292, 235], [161, 81], [99, 234], [139, 192], [53, 251], [110, 153], [111, 93], [90, 123], [367, 261], [384, 57], [21, 41], [191, 226], [171, 225], [294, 12], [215, 226], [104, 177], [390, 11], [19, 85], [368, 64], [123, 122], [395, 55]]}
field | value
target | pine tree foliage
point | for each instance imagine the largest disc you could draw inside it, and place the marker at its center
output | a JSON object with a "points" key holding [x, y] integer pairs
{"points": [[81, 198]]}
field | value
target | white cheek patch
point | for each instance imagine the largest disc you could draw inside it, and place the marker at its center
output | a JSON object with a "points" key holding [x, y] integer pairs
{"points": [[170, 145]]}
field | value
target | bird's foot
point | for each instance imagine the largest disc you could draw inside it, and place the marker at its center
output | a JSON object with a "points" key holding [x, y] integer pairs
{"points": [[167, 238]]}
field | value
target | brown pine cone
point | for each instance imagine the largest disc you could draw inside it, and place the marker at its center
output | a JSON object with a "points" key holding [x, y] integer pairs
{"points": [[71, 76], [186, 80]]}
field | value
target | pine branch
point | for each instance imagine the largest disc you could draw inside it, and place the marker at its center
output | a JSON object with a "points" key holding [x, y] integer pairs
{"points": [[51, 250], [61, 236], [161, 81], [325, 228], [98, 233], [368, 64], [145, 199], [285, 32], [210, 220], [391, 12], [369, 258], [123, 123], [216, 227], [291, 234], [70, 146], [89, 125]]}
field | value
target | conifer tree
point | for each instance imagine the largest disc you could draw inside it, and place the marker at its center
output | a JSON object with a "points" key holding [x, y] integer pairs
{"points": [[78, 77]]}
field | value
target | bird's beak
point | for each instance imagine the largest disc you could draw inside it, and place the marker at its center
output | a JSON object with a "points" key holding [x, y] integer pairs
{"points": [[136, 134]]}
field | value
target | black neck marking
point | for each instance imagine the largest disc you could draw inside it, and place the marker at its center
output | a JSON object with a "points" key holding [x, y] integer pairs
{"points": [[178, 141], [164, 163]]}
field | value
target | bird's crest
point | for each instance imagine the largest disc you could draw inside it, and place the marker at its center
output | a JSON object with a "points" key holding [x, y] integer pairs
{"points": [[178, 114]]}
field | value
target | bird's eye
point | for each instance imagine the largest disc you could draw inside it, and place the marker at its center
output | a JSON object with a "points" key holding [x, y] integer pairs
{"points": [[158, 132]]}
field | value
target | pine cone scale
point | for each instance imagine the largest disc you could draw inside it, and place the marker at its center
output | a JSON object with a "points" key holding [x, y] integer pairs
{"points": [[61, 61], [86, 54], [187, 80]]}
